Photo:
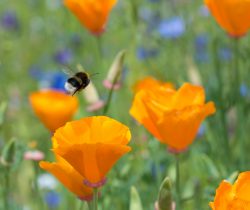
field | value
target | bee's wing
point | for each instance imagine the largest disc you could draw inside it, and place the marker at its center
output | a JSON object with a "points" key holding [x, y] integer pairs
{"points": [[67, 70]]}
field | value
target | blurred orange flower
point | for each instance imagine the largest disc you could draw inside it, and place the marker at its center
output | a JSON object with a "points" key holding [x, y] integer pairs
{"points": [[92, 145], [172, 116], [149, 83], [233, 197], [232, 15], [93, 14], [69, 177], [53, 108]]}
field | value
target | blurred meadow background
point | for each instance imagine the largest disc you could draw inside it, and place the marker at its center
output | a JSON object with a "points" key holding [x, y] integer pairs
{"points": [[174, 41]]}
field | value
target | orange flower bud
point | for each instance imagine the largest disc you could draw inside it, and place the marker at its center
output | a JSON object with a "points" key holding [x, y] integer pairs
{"points": [[92, 14], [232, 15], [173, 117], [53, 108]]}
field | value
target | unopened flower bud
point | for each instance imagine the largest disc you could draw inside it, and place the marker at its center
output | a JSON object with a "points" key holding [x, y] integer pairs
{"points": [[8, 154], [92, 98], [113, 79], [165, 195]]}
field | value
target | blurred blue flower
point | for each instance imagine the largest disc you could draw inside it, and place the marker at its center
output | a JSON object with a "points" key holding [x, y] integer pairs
{"points": [[63, 56], [225, 54], [154, 170], [9, 21], [201, 48], [58, 80], [201, 131], [52, 199], [76, 40], [244, 91], [171, 28], [143, 53], [49, 79]]}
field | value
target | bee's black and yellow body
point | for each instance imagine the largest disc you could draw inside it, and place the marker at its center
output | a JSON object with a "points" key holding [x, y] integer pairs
{"points": [[77, 82]]}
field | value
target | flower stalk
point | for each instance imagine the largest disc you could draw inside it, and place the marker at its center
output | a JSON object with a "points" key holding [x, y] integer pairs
{"points": [[177, 182], [95, 199]]}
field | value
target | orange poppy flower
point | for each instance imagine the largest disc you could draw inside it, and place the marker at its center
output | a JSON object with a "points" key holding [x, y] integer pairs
{"points": [[173, 117], [232, 15], [53, 108], [69, 177], [93, 14], [233, 197], [92, 145], [149, 83]]}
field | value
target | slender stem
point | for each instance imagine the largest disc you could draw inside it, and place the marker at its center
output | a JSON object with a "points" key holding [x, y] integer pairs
{"points": [[177, 182], [6, 189], [81, 205], [95, 199], [235, 73], [99, 51], [105, 110]]}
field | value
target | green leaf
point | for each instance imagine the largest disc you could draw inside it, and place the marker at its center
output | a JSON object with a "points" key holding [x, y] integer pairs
{"points": [[165, 195], [3, 108]]}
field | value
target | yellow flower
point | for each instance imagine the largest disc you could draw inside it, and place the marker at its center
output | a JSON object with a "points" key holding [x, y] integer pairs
{"points": [[173, 117], [93, 14], [92, 145], [233, 197], [69, 177], [232, 15], [53, 108]]}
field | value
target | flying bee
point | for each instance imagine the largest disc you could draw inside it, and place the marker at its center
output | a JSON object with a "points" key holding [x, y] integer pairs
{"points": [[77, 81]]}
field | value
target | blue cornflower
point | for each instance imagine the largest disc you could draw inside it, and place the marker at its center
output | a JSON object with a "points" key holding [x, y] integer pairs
{"points": [[244, 91], [9, 21], [52, 199], [171, 28], [143, 53], [64, 56], [201, 47], [225, 54]]}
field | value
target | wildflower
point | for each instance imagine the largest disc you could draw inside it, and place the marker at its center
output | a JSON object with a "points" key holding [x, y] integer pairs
{"points": [[35, 155], [143, 53], [172, 116], [113, 79], [69, 177], [171, 28], [9, 21], [92, 14], [63, 56], [53, 108], [201, 48], [92, 98], [233, 196], [149, 83], [92, 146], [233, 16], [52, 199]]}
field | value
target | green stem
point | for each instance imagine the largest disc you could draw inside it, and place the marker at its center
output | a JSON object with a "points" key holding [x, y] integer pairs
{"points": [[99, 51], [235, 73], [106, 108], [177, 182], [95, 199], [6, 189]]}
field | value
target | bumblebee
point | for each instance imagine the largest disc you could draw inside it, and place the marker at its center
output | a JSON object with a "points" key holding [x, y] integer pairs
{"points": [[76, 82]]}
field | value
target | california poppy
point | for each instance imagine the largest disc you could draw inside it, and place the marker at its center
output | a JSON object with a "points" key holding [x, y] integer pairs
{"points": [[69, 177], [232, 15], [53, 108], [93, 14], [92, 145], [233, 196], [149, 83], [172, 116]]}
